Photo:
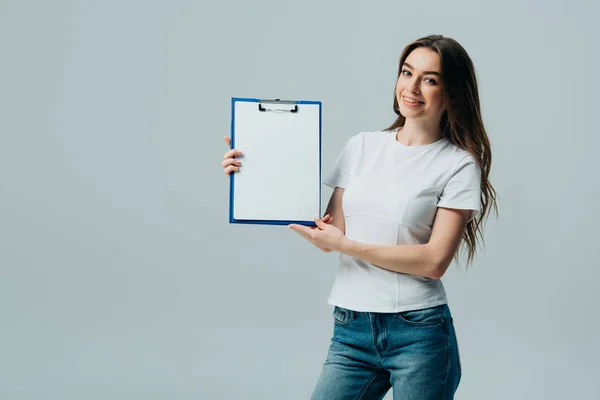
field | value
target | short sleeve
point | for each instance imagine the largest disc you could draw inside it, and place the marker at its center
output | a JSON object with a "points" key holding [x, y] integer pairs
{"points": [[342, 169], [463, 190]]}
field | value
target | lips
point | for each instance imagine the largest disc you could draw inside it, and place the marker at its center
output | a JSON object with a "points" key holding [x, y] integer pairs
{"points": [[411, 102]]}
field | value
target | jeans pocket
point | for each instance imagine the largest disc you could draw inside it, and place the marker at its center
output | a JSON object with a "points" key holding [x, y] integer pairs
{"points": [[424, 317], [458, 362], [340, 315]]}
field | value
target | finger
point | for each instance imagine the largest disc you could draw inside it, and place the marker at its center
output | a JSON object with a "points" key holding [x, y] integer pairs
{"points": [[302, 230], [230, 161], [232, 153], [227, 140], [230, 169], [299, 228], [325, 219], [320, 223]]}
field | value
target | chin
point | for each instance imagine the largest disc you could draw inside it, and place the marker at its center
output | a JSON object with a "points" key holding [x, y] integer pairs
{"points": [[407, 113]]}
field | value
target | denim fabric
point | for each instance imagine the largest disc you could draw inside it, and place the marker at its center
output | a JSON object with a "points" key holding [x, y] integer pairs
{"points": [[413, 352]]}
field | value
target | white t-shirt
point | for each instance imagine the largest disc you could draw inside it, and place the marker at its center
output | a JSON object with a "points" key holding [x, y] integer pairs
{"points": [[391, 195]]}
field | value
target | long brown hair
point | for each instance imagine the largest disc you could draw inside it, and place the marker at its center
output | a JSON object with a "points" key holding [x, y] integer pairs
{"points": [[461, 122]]}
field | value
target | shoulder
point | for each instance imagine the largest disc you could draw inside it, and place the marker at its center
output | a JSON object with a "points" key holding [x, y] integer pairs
{"points": [[459, 157], [368, 139], [466, 172], [376, 136]]}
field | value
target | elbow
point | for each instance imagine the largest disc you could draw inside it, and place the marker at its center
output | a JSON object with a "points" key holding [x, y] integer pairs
{"points": [[436, 266], [436, 272]]}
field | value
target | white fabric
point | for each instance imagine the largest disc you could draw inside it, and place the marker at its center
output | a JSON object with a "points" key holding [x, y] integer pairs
{"points": [[391, 195]]}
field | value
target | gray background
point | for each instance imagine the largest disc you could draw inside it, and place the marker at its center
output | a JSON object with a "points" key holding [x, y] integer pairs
{"points": [[120, 276]]}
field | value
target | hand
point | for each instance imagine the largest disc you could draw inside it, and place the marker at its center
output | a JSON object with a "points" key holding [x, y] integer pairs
{"points": [[328, 219], [229, 163], [325, 236]]}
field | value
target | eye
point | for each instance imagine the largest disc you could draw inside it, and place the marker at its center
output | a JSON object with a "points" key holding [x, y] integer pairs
{"points": [[403, 72], [431, 80]]}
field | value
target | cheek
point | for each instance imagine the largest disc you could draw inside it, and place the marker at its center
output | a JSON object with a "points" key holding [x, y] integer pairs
{"points": [[436, 99], [399, 89]]}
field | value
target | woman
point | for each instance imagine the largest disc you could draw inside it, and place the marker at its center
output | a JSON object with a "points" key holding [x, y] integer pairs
{"points": [[404, 199]]}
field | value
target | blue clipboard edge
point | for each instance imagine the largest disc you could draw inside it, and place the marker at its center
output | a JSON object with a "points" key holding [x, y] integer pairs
{"points": [[232, 178]]}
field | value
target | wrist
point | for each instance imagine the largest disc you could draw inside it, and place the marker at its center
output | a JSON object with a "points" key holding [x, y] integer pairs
{"points": [[346, 246]]}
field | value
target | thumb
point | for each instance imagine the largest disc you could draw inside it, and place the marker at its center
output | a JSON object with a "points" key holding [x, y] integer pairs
{"points": [[320, 223], [227, 140]]}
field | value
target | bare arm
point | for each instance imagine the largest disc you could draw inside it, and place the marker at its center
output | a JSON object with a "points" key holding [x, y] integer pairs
{"points": [[430, 260]]}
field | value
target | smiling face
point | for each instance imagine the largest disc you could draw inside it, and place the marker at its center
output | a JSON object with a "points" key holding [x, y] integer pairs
{"points": [[419, 89]]}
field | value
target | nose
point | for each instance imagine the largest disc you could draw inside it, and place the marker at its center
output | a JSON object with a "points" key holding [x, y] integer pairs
{"points": [[414, 86]]}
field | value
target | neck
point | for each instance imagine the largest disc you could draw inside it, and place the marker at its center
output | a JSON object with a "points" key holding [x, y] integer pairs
{"points": [[419, 132]]}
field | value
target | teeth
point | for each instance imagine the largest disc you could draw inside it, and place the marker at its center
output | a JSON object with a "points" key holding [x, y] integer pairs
{"points": [[410, 101]]}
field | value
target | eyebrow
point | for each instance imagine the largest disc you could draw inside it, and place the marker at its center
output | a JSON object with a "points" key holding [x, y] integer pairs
{"points": [[426, 72]]}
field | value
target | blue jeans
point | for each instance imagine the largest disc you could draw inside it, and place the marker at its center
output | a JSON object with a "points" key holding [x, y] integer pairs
{"points": [[413, 352]]}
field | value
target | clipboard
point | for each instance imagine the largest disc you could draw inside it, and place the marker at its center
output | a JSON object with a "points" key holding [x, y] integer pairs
{"points": [[279, 181]]}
